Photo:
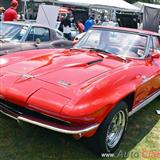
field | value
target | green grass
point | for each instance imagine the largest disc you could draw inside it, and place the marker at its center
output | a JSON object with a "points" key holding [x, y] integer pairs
{"points": [[34, 143]]}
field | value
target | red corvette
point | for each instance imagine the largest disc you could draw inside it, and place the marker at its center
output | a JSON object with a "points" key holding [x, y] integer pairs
{"points": [[87, 91]]}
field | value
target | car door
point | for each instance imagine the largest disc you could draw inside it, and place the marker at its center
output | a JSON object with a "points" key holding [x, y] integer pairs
{"points": [[148, 75], [156, 61]]}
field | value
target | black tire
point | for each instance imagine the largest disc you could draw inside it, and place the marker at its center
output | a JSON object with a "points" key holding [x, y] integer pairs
{"points": [[99, 140]]}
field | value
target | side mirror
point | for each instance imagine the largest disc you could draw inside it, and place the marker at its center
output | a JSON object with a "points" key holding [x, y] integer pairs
{"points": [[155, 55], [38, 41]]}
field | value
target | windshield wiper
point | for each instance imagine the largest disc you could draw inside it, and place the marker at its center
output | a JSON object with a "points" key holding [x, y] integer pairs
{"points": [[121, 57], [95, 49], [105, 51]]}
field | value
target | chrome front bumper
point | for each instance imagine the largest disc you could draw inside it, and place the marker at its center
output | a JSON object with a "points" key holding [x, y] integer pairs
{"points": [[19, 116]]}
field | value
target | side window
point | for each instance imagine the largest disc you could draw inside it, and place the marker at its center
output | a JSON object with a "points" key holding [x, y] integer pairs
{"points": [[156, 43], [43, 34]]}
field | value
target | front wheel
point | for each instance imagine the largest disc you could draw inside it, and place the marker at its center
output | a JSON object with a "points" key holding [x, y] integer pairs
{"points": [[111, 131]]}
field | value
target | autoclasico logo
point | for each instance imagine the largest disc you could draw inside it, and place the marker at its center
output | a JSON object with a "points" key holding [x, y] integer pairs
{"points": [[133, 154]]}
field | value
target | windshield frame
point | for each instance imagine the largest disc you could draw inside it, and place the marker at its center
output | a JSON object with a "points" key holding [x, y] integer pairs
{"points": [[146, 54]]}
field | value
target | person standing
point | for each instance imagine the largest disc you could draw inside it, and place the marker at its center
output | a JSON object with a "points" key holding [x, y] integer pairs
{"points": [[11, 14], [2, 10], [67, 27], [60, 28], [88, 24], [80, 26]]}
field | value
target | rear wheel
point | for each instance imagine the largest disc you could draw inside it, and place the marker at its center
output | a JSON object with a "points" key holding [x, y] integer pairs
{"points": [[111, 131]]}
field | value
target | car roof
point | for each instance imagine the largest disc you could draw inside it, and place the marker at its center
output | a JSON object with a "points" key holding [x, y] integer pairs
{"points": [[27, 23], [140, 31]]}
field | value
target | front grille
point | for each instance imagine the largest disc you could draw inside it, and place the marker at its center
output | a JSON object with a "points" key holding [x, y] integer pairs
{"points": [[24, 111]]}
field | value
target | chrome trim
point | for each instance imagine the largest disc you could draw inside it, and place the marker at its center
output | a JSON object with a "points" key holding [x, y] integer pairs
{"points": [[79, 131], [144, 103], [8, 115], [26, 76], [20, 118], [52, 126], [115, 129]]}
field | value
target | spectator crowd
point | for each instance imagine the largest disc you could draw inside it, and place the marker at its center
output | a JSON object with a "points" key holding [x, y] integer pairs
{"points": [[11, 13]]}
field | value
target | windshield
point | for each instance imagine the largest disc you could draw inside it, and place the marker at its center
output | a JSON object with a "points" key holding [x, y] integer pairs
{"points": [[12, 31], [114, 42]]}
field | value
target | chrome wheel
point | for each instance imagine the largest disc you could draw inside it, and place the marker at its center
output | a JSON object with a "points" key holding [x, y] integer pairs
{"points": [[115, 129]]}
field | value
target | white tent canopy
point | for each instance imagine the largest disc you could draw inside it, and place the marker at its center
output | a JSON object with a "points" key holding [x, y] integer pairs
{"points": [[114, 4], [141, 5]]}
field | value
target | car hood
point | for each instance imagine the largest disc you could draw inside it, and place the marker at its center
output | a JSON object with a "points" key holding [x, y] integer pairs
{"points": [[64, 67], [49, 77]]}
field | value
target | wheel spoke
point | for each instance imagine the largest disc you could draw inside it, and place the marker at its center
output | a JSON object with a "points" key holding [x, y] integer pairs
{"points": [[115, 129]]}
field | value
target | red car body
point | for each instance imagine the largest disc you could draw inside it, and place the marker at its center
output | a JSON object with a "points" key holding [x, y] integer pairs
{"points": [[73, 90]]}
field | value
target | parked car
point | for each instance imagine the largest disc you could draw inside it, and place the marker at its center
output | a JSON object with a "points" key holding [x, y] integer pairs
{"points": [[87, 91], [20, 36]]}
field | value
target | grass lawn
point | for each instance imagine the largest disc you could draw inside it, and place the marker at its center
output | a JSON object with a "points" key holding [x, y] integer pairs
{"points": [[142, 140]]}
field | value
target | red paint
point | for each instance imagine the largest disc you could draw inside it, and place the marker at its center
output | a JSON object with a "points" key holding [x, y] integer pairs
{"points": [[65, 86]]}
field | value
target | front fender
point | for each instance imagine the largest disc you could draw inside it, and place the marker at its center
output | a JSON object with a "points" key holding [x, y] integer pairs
{"points": [[95, 105]]}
